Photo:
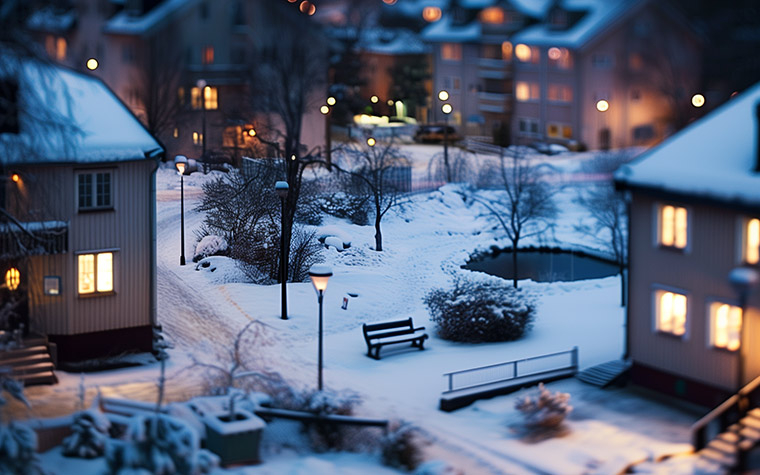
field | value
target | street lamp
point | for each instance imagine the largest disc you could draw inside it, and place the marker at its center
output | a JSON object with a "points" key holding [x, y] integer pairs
{"points": [[742, 280], [281, 187], [443, 95], [203, 89], [320, 274], [325, 110], [604, 134], [180, 161], [446, 109]]}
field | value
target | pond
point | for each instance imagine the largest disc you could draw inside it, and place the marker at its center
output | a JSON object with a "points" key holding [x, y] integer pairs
{"points": [[544, 265]]}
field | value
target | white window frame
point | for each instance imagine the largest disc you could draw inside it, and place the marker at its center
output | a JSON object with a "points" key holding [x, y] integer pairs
{"points": [[94, 206], [97, 289]]}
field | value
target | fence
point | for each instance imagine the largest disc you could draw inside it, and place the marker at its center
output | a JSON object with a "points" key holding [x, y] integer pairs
{"points": [[512, 370]]}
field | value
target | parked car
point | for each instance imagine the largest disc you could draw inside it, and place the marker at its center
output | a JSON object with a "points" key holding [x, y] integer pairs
{"points": [[436, 133]]}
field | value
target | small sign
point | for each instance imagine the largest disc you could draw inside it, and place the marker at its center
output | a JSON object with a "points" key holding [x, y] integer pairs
{"points": [[345, 303]]}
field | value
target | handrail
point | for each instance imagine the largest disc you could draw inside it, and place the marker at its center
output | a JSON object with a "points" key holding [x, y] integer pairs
{"points": [[548, 355], [698, 428]]}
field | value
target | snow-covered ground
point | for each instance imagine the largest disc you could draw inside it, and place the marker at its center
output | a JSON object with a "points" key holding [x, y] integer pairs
{"points": [[425, 243]]}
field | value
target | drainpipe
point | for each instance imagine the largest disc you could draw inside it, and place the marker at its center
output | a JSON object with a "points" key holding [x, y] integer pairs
{"points": [[156, 155]]}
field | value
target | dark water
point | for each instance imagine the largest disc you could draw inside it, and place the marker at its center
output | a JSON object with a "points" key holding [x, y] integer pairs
{"points": [[545, 266]]}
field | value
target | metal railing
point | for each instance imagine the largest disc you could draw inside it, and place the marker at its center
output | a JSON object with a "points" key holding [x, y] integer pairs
{"points": [[728, 412], [511, 370]]}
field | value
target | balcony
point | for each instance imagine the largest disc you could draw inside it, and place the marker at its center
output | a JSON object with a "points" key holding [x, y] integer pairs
{"points": [[494, 102]]}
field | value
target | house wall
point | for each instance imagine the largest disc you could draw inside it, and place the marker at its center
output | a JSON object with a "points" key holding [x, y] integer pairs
{"points": [[49, 192], [701, 272]]}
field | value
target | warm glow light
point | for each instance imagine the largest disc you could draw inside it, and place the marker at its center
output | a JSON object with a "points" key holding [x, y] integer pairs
{"points": [[12, 278], [92, 64], [673, 226], [307, 7], [389, 2], [324, 109], [443, 95], [523, 52], [697, 100], [446, 108], [671, 313], [252, 132], [15, 177], [105, 272], [390, 102], [506, 51], [555, 53], [727, 324], [431, 14], [371, 141], [602, 105], [293, 157], [320, 274], [494, 15], [752, 246], [331, 101], [374, 99], [180, 162]]}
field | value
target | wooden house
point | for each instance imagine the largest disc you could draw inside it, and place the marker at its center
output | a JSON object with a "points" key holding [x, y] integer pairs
{"points": [[77, 231], [695, 218]]}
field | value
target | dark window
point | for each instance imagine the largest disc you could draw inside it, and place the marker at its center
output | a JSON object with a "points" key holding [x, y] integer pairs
{"points": [[9, 107], [94, 191]]}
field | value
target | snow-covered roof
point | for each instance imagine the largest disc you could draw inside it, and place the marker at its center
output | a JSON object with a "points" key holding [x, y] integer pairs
{"points": [[126, 23], [392, 41], [597, 14], [712, 158], [49, 19], [69, 117], [443, 30]]}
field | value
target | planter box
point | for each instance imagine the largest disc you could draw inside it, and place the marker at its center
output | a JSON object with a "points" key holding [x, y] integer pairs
{"points": [[234, 441]]}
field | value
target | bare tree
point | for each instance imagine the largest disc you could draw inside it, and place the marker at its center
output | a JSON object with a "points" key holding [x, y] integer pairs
{"points": [[375, 170], [608, 209], [527, 208], [159, 77]]}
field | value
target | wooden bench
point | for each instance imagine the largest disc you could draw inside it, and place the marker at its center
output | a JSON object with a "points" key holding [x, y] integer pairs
{"points": [[378, 335]]}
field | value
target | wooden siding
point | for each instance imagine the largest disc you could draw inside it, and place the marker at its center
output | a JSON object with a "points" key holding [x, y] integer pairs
{"points": [[702, 273], [126, 229]]}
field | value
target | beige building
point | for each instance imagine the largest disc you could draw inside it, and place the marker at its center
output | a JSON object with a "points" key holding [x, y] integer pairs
{"points": [[695, 217], [78, 248], [544, 69]]}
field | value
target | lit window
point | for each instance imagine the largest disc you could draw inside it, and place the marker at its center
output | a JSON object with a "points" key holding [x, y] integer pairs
{"points": [[671, 312], [181, 96], [526, 91], [210, 98], [431, 14], [673, 226], [12, 278], [559, 131], [197, 138], [493, 15], [51, 285], [506, 51], [60, 49], [527, 54], [451, 51], [560, 58], [207, 55], [752, 241], [726, 326], [95, 273], [559, 93], [94, 190]]}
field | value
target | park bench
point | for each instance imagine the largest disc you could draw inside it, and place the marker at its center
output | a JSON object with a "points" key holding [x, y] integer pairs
{"points": [[378, 335]]}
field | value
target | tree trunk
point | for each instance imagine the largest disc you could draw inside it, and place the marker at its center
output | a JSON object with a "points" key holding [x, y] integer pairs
{"points": [[514, 264], [622, 286], [378, 233]]}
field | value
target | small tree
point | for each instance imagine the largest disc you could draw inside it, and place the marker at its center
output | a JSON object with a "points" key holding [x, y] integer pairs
{"points": [[527, 208], [372, 168], [89, 431], [543, 409], [18, 443]]}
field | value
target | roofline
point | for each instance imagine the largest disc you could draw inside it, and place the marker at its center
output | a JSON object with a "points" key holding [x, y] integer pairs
{"points": [[688, 198]]}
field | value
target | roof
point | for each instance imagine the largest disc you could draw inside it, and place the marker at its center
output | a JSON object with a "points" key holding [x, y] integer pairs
{"points": [[126, 23], [392, 42], [70, 117], [713, 158], [598, 14], [443, 30]]}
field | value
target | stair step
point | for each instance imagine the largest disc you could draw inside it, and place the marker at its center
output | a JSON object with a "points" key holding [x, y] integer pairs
{"points": [[723, 446], [33, 368], [750, 433], [754, 413], [752, 422], [718, 457], [21, 352], [35, 358], [47, 377], [730, 437]]}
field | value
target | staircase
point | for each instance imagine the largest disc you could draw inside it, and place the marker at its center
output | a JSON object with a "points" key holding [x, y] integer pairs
{"points": [[29, 360], [605, 374], [727, 452]]}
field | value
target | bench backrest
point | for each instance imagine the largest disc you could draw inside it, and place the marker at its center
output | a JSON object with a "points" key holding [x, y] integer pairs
{"points": [[368, 329]]}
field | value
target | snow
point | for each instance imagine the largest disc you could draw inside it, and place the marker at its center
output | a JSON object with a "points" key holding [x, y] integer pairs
{"points": [[714, 157], [426, 242], [123, 23]]}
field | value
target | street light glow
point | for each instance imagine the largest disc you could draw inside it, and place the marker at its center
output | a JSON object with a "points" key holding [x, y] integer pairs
{"points": [[697, 100], [446, 108], [371, 141], [331, 101], [324, 109], [15, 177], [443, 95], [92, 64], [374, 99], [602, 105], [252, 132]]}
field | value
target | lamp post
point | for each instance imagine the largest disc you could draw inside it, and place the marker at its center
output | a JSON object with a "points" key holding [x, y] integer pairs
{"points": [[180, 162], [203, 87], [604, 135], [443, 95], [326, 111], [446, 109], [742, 280], [281, 187], [320, 274]]}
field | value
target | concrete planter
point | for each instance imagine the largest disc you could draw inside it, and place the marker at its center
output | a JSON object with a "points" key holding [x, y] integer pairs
{"points": [[235, 440]]}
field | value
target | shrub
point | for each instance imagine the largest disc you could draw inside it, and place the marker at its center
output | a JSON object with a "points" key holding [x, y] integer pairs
{"points": [[89, 434], [401, 448], [544, 409], [355, 208], [210, 245], [477, 312]]}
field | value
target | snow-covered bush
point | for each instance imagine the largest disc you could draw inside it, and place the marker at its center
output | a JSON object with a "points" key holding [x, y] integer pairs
{"points": [[210, 245], [159, 444], [477, 312], [544, 409], [89, 435], [355, 208], [401, 448], [18, 443]]}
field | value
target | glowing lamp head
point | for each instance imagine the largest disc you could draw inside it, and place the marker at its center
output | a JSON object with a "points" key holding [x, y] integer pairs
{"points": [[92, 64], [443, 95], [697, 100], [180, 162], [12, 278], [602, 105], [446, 108], [252, 132], [431, 14], [15, 178], [324, 110], [374, 99], [331, 101], [390, 102], [293, 157], [319, 275], [389, 2], [371, 141]]}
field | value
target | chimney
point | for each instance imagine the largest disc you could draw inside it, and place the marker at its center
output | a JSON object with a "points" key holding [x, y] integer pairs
{"points": [[757, 136]]}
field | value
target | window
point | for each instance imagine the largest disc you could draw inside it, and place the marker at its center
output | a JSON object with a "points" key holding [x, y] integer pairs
{"points": [[9, 107], [527, 54], [94, 191], [51, 285], [751, 241], [555, 130], [725, 326], [643, 133], [560, 93], [601, 61], [181, 96], [451, 83], [526, 91], [493, 15], [55, 46], [197, 138], [207, 55], [210, 98], [506, 51], [560, 58], [671, 312], [95, 273], [528, 126], [451, 51], [673, 228]]}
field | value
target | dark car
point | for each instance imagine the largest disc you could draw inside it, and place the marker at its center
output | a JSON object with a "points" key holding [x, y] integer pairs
{"points": [[436, 133]]}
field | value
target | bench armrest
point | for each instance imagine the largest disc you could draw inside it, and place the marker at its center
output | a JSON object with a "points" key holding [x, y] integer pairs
{"points": [[419, 328]]}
